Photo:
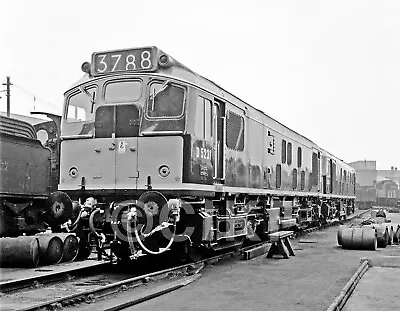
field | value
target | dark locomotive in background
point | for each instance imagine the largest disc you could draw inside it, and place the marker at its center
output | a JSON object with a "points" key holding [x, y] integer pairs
{"points": [[149, 156], [29, 174], [384, 193]]}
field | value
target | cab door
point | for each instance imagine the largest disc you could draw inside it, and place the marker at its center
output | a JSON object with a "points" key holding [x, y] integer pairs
{"points": [[117, 128], [207, 142], [126, 143], [219, 121]]}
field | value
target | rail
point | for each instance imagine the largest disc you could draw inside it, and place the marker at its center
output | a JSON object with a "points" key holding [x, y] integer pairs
{"points": [[91, 295], [130, 283]]}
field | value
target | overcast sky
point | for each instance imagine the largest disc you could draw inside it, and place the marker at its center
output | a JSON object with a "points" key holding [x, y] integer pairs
{"points": [[327, 69]]}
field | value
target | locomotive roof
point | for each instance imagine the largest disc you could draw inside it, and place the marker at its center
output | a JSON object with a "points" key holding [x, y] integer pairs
{"points": [[16, 127], [28, 119]]}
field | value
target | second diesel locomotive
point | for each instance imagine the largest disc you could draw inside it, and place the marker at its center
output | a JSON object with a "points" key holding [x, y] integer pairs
{"points": [[158, 157]]}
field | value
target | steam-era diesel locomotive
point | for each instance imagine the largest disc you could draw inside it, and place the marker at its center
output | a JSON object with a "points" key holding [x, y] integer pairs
{"points": [[156, 157]]}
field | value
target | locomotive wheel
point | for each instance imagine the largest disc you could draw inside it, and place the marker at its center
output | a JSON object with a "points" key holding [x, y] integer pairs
{"points": [[84, 252], [85, 249], [240, 245], [58, 208], [396, 235], [387, 237], [383, 240], [76, 208], [390, 237], [185, 253], [195, 255], [151, 204]]}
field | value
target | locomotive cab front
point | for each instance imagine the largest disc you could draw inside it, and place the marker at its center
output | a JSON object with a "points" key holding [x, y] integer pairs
{"points": [[122, 135], [119, 133]]}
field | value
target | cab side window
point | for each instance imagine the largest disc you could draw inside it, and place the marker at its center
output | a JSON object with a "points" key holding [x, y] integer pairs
{"points": [[165, 100], [203, 119]]}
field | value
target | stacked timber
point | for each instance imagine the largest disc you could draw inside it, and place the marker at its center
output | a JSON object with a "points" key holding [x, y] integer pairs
{"points": [[22, 251]]}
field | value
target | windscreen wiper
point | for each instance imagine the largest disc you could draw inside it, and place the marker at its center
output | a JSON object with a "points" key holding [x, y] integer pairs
{"points": [[91, 96], [162, 88]]}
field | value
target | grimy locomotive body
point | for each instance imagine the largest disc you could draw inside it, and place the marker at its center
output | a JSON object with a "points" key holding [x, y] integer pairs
{"points": [[157, 157]]}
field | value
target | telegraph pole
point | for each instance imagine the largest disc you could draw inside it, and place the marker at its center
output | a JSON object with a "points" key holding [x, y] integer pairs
{"points": [[8, 84]]}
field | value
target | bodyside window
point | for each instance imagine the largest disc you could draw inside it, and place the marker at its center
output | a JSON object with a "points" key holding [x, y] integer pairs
{"points": [[234, 131]]}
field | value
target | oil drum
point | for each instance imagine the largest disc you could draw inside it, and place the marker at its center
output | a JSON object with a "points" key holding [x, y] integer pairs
{"points": [[339, 233], [363, 238], [396, 234], [71, 246], [22, 251], [51, 248]]}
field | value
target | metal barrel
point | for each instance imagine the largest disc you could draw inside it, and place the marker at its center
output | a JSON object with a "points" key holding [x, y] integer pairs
{"points": [[22, 251], [396, 234], [51, 248], [363, 238], [71, 246], [339, 233], [391, 235]]}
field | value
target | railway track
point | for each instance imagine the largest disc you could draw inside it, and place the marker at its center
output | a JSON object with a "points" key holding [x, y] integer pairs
{"points": [[91, 288], [96, 292], [55, 277]]}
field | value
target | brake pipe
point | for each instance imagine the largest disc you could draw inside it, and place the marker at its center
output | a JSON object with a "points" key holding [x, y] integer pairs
{"points": [[75, 224], [132, 219], [91, 222], [145, 248]]}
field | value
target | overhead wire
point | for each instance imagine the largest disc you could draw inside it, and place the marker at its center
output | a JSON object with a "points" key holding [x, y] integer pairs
{"points": [[35, 97]]}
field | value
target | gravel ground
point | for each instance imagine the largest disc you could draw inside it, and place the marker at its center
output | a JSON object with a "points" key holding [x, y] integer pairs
{"points": [[309, 281]]}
